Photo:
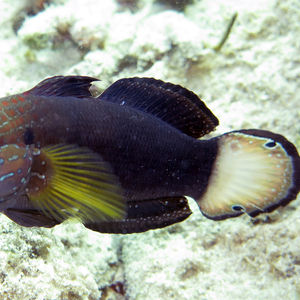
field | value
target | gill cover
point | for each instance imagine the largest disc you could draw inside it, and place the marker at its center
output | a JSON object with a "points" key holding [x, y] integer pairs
{"points": [[15, 165], [15, 161]]}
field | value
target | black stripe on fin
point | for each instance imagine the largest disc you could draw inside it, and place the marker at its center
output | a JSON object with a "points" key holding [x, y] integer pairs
{"points": [[62, 86], [171, 103], [145, 215]]}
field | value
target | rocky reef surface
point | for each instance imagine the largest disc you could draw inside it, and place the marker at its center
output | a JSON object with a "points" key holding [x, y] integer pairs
{"points": [[253, 81]]}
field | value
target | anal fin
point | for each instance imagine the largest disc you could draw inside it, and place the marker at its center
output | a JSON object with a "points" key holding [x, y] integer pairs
{"points": [[145, 215]]}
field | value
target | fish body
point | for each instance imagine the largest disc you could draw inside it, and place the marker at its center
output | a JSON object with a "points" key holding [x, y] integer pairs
{"points": [[123, 162], [124, 137]]}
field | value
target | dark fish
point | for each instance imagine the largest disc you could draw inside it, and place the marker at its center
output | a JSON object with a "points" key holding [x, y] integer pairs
{"points": [[123, 162]]}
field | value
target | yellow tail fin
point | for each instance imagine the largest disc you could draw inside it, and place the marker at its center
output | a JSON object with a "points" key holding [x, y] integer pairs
{"points": [[255, 171]]}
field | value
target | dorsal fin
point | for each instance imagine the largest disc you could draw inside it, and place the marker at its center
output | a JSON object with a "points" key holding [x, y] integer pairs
{"points": [[171, 103], [63, 86]]}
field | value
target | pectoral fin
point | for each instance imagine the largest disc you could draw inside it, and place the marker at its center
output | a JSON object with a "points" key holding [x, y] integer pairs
{"points": [[71, 181]]}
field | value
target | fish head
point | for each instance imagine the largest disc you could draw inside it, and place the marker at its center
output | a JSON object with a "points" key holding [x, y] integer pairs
{"points": [[15, 167]]}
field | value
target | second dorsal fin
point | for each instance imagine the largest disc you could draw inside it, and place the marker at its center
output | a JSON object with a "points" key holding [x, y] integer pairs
{"points": [[64, 86], [171, 103]]}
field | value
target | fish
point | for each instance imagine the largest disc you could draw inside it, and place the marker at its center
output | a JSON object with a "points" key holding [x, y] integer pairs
{"points": [[126, 161]]}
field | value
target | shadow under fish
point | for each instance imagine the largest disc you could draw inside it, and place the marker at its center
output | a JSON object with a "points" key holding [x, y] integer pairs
{"points": [[125, 161]]}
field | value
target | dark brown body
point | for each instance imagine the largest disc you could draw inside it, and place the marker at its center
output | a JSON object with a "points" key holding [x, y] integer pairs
{"points": [[151, 158]]}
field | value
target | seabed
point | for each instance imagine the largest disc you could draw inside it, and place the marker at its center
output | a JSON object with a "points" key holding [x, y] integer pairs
{"points": [[253, 81]]}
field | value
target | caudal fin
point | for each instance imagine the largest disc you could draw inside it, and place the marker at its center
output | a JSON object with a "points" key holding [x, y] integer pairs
{"points": [[255, 171]]}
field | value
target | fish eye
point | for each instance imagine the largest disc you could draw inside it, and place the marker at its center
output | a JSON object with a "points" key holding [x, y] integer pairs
{"points": [[271, 144], [237, 207], [28, 136]]}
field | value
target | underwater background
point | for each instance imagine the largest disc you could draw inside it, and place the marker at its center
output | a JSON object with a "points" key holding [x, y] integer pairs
{"points": [[253, 81]]}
